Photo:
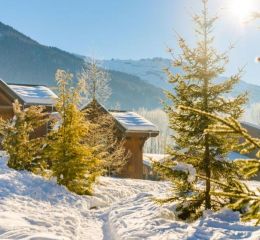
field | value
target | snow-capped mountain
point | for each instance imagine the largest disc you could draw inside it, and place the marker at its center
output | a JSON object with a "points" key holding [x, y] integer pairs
{"points": [[135, 83], [151, 71]]}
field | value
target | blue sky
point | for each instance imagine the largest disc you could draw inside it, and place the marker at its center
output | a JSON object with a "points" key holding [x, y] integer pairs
{"points": [[130, 28]]}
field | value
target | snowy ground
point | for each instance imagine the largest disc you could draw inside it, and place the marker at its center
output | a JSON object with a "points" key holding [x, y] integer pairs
{"points": [[33, 208]]}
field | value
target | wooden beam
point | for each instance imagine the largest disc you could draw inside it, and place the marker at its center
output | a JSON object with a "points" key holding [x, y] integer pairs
{"points": [[6, 107], [6, 111]]}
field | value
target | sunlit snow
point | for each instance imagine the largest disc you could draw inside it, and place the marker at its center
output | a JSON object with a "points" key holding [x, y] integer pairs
{"points": [[132, 121], [121, 209], [35, 94]]}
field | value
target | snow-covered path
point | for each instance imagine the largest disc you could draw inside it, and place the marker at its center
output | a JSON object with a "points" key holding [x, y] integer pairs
{"points": [[34, 208]]}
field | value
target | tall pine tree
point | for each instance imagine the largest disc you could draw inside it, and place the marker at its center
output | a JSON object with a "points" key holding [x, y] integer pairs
{"points": [[73, 162], [197, 87]]}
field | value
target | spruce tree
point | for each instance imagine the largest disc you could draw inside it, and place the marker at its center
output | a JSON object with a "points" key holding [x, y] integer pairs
{"points": [[73, 162], [243, 199], [197, 87], [24, 148]]}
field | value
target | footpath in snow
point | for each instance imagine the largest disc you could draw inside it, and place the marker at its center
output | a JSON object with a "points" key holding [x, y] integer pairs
{"points": [[34, 208]]}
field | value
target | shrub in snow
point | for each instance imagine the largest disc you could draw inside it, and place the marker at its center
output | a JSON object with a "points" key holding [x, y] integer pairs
{"points": [[25, 150]]}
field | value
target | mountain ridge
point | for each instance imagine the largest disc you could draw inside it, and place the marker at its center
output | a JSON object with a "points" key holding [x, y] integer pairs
{"points": [[135, 83], [24, 60], [151, 70]]}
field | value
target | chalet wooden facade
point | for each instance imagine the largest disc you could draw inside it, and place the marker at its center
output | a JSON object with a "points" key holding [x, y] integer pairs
{"points": [[135, 130], [130, 126], [27, 95]]}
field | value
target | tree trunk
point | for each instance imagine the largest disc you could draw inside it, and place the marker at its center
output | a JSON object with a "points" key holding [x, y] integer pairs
{"points": [[207, 173], [205, 108]]}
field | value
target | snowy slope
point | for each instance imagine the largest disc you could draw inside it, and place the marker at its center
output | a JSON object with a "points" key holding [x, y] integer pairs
{"points": [[34, 208], [151, 71]]}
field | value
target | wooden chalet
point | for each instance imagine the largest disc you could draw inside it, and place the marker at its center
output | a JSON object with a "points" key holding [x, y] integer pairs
{"points": [[27, 95], [135, 130]]}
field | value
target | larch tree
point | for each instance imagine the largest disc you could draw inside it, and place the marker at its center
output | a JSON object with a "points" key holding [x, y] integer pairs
{"points": [[196, 151], [19, 138], [97, 82], [73, 162], [106, 139]]}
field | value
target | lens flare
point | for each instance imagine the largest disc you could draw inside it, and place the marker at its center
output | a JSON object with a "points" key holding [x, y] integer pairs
{"points": [[257, 59], [241, 10]]}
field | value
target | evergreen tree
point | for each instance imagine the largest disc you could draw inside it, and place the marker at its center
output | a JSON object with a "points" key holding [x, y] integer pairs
{"points": [[73, 162], [106, 139], [243, 198], [19, 140], [197, 88]]}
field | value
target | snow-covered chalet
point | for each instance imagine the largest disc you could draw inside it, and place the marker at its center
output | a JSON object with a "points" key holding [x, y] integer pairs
{"points": [[135, 130], [27, 95]]}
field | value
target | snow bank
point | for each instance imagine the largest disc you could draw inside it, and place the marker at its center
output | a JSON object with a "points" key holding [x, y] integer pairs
{"points": [[187, 168], [140, 218], [34, 208], [150, 158]]}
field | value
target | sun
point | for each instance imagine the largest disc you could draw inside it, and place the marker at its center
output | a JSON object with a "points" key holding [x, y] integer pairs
{"points": [[241, 9]]}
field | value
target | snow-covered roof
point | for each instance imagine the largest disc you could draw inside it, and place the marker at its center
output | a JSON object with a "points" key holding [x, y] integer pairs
{"points": [[127, 121], [133, 122], [31, 94], [149, 158]]}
